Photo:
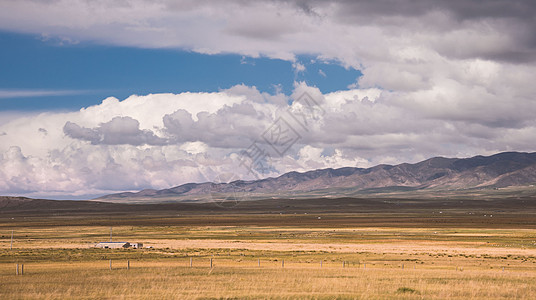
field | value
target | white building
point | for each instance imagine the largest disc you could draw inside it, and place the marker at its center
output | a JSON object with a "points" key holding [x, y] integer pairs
{"points": [[136, 245], [113, 245]]}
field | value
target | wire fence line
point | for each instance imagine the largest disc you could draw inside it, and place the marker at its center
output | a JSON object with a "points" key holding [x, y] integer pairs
{"points": [[222, 262]]}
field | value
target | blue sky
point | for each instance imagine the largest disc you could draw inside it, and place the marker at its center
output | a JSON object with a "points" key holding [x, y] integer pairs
{"points": [[83, 74], [194, 83]]}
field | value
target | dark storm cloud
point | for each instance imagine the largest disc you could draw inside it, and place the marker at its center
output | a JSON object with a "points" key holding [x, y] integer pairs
{"points": [[119, 131], [461, 9], [511, 18]]}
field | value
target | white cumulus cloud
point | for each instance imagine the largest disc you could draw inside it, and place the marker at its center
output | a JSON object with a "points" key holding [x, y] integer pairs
{"points": [[162, 140], [451, 78]]}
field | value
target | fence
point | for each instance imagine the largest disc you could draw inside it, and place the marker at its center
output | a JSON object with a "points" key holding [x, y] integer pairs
{"points": [[210, 263]]}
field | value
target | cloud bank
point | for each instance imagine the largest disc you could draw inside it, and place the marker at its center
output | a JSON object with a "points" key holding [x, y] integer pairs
{"points": [[354, 32], [450, 78], [163, 140]]}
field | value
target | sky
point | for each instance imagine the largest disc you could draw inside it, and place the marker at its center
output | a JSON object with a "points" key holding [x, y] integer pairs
{"points": [[98, 97]]}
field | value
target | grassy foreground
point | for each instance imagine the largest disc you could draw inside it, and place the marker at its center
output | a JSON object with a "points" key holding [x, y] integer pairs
{"points": [[329, 256], [230, 279]]}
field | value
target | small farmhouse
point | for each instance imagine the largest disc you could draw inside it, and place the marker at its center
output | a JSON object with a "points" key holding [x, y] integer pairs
{"points": [[136, 245], [118, 245]]}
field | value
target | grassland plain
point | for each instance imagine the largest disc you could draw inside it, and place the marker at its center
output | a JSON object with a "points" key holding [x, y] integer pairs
{"points": [[427, 255]]}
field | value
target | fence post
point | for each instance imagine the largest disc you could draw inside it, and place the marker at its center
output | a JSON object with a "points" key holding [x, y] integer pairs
{"points": [[17, 269], [283, 263], [110, 264], [211, 263], [128, 264], [258, 262], [190, 262], [22, 269], [320, 263], [402, 266]]}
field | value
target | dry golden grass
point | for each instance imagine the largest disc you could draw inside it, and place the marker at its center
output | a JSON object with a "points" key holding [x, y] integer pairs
{"points": [[401, 263], [229, 279]]}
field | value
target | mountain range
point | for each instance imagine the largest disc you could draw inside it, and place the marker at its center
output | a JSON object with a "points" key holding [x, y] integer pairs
{"points": [[432, 176]]}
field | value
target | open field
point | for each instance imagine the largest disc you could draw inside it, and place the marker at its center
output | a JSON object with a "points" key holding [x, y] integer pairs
{"points": [[458, 252], [165, 279]]}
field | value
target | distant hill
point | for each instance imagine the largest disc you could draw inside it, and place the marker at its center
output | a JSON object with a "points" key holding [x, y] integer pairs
{"points": [[10, 204], [438, 174]]}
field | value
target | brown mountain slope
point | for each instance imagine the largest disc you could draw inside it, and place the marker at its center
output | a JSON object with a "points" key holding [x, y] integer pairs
{"points": [[439, 173]]}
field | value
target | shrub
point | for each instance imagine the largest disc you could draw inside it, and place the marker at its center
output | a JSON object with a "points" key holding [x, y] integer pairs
{"points": [[406, 290]]}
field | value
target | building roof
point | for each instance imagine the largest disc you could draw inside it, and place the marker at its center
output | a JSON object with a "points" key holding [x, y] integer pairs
{"points": [[113, 243]]}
